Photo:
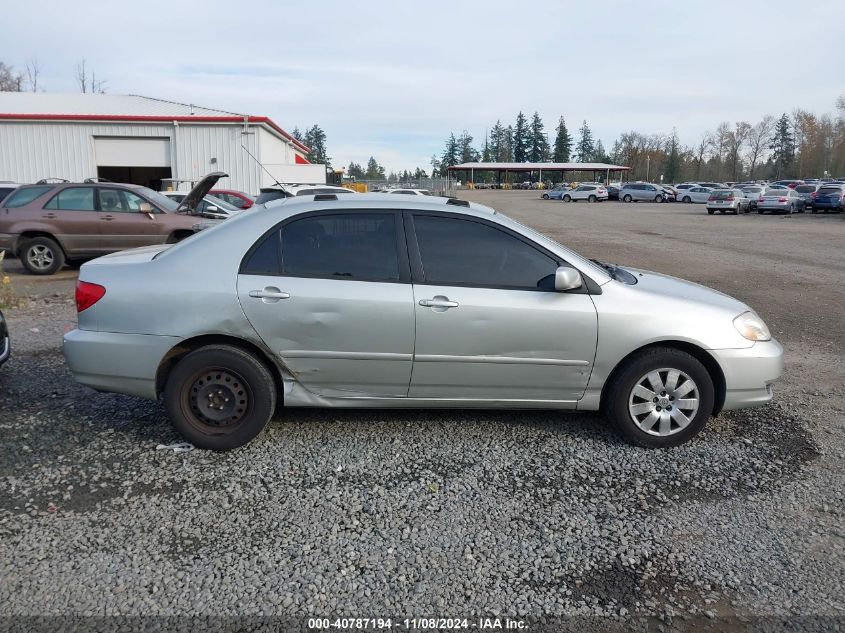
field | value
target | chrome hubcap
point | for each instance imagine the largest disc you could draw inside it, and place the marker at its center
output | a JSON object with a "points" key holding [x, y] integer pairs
{"points": [[40, 257], [663, 402]]}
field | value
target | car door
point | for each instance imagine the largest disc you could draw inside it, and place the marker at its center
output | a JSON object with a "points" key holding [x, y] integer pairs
{"points": [[124, 224], [330, 293], [72, 212], [489, 325]]}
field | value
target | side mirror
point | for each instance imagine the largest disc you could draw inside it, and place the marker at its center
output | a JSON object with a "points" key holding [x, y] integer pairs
{"points": [[567, 278], [145, 207]]}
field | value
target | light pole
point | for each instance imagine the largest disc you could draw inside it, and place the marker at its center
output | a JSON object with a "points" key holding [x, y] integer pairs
{"points": [[647, 165]]}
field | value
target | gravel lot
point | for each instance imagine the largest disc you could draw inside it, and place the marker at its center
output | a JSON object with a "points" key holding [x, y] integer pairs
{"points": [[420, 513]]}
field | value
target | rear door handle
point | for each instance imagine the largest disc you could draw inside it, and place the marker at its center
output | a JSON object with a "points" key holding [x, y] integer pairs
{"points": [[107, 217], [438, 302], [269, 294], [50, 216]]}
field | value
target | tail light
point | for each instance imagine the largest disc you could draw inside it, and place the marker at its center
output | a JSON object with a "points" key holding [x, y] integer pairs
{"points": [[87, 294], [782, 199], [814, 194], [710, 199], [730, 197], [760, 199]]}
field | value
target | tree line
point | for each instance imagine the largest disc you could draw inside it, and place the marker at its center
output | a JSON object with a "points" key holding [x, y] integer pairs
{"points": [[798, 145]]}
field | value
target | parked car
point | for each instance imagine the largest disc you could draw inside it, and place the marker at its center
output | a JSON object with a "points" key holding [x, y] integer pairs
{"points": [[724, 200], [557, 192], [641, 192], [780, 201], [752, 192], [6, 188], [209, 207], [374, 306], [277, 192], [48, 225], [5, 341], [829, 198], [715, 185], [411, 192], [237, 199], [613, 192], [698, 194], [670, 193], [808, 192], [791, 184], [590, 193]]}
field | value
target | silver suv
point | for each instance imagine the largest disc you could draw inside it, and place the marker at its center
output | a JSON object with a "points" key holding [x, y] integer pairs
{"points": [[641, 192]]}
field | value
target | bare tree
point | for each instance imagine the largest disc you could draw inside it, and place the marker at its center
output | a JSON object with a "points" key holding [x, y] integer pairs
{"points": [[758, 141], [9, 80], [720, 144], [33, 70], [704, 146], [89, 83], [735, 141]]}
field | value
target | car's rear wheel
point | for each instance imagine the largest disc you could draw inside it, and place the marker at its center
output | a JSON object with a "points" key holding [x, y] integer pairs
{"points": [[42, 256], [545, 196], [663, 397], [220, 397], [591, 199], [686, 199], [567, 198]]}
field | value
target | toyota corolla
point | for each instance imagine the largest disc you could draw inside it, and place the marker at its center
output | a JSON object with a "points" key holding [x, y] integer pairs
{"points": [[372, 301]]}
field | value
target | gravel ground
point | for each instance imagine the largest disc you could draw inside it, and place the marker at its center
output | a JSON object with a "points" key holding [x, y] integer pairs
{"points": [[420, 513]]}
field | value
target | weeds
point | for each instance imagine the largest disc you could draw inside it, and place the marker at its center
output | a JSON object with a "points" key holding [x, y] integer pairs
{"points": [[7, 292]]}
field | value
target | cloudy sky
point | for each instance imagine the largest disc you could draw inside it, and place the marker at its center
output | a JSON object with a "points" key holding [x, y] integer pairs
{"points": [[392, 79]]}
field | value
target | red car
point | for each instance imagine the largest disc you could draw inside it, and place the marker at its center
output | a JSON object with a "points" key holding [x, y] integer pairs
{"points": [[239, 199]]}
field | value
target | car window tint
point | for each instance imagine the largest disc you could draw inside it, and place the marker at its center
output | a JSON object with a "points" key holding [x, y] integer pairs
{"points": [[830, 190], [344, 246], [24, 196], [264, 258], [73, 199], [463, 252]]}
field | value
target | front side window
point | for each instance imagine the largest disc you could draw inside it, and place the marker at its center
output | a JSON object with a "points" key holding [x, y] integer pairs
{"points": [[73, 199], [349, 246], [131, 201], [24, 196], [468, 253], [110, 200]]}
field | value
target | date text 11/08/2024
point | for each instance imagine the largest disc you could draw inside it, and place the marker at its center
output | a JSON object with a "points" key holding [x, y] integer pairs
{"points": [[417, 624]]}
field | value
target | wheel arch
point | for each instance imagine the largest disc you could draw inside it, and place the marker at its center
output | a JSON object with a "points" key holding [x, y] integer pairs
{"points": [[178, 352], [699, 353], [33, 233]]}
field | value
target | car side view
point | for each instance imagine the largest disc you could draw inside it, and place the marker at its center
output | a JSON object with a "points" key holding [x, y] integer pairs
{"points": [[47, 225], [376, 300]]}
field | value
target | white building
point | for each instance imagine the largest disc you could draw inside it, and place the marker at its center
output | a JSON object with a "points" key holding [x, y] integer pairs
{"points": [[130, 138]]}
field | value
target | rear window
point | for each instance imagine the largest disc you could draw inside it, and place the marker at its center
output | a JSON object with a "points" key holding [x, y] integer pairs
{"points": [[24, 196], [830, 190], [805, 188], [753, 189], [722, 194]]}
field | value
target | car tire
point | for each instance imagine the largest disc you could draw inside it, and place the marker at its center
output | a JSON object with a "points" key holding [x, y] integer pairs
{"points": [[220, 376], [629, 406], [658, 198], [42, 256], [591, 199], [567, 198], [711, 211], [627, 198], [686, 199], [545, 196]]}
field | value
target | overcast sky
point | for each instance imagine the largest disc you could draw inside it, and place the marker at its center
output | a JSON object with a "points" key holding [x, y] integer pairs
{"points": [[392, 79]]}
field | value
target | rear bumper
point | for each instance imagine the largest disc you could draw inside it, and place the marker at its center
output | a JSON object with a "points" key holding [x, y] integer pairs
{"points": [[750, 373], [118, 363], [835, 206]]}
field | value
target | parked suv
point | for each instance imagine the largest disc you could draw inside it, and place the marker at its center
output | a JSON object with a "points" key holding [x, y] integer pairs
{"points": [[641, 191], [50, 224], [829, 198]]}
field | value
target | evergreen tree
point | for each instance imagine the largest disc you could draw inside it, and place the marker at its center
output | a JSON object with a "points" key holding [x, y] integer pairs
{"points": [[466, 151], [485, 154], [315, 139], [374, 170], [599, 155], [672, 172], [538, 144], [520, 139], [563, 143], [451, 154], [355, 170], [297, 134], [507, 145], [585, 148], [783, 147]]}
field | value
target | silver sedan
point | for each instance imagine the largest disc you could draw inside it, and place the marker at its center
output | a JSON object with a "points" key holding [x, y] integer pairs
{"points": [[369, 301]]}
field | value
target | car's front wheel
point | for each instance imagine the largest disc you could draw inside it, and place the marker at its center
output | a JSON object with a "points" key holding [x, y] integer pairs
{"points": [[220, 397], [545, 196], [660, 398], [591, 199], [42, 256], [567, 198]]}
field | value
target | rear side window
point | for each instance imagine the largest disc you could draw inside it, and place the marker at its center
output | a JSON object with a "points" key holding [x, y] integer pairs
{"points": [[467, 253], [264, 259], [344, 246], [23, 197], [73, 199]]}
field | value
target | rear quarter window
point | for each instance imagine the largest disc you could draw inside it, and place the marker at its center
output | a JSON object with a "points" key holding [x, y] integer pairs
{"points": [[22, 196]]}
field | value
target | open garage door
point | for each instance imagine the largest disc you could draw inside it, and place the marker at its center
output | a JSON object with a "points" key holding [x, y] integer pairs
{"points": [[140, 161]]}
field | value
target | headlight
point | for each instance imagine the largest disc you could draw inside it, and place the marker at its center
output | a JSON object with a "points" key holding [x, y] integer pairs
{"points": [[752, 327]]}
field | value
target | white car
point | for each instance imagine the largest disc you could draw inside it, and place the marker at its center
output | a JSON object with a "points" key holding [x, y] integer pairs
{"points": [[210, 207], [695, 194], [280, 191], [590, 193], [411, 192]]}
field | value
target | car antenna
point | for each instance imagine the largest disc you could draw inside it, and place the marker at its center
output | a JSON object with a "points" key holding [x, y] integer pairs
{"points": [[275, 180]]}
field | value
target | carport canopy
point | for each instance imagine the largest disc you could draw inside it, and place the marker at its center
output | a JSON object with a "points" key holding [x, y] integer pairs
{"points": [[604, 170]]}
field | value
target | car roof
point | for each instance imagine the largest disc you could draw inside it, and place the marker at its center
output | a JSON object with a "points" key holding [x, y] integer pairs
{"points": [[379, 200]]}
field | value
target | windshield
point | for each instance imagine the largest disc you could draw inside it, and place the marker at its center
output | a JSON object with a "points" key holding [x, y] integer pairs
{"points": [[161, 201]]}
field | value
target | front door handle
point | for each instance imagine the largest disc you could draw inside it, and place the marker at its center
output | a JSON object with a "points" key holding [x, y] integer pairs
{"points": [[438, 302], [270, 294], [107, 217], [49, 216]]}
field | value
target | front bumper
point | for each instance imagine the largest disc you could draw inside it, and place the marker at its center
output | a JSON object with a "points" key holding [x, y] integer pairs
{"points": [[750, 373], [115, 362]]}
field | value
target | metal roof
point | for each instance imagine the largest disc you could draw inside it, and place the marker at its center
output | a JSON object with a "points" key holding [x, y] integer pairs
{"points": [[112, 107], [538, 166]]}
